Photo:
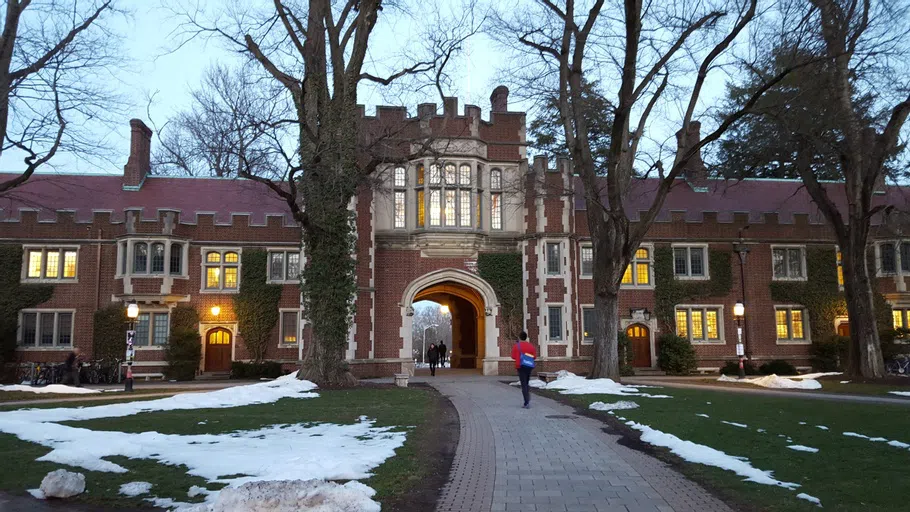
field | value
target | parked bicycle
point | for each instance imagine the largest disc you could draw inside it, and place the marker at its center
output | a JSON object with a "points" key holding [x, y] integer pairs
{"points": [[100, 371], [899, 365], [47, 373]]}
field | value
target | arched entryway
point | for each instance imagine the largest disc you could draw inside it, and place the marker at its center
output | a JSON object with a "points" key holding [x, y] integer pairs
{"points": [[473, 308], [640, 336], [218, 343]]}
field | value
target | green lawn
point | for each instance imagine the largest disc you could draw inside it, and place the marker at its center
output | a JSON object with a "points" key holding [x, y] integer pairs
{"points": [[829, 385], [847, 473], [399, 478], [21, 396]]}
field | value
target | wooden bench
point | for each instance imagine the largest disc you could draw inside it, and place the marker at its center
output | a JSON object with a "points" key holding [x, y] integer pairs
{"points": [[547, 376]]}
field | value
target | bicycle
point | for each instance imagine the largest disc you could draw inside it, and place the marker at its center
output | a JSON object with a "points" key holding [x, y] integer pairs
{"points": [[48, 374], [899, 365]]}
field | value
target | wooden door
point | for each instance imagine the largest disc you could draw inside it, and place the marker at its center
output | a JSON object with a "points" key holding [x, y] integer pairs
{"points": [[844, 329], [640, 337], [218, 350]]}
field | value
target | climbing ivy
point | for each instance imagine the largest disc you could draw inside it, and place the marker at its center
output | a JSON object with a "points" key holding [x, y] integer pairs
{"points": [[669, 291], [256, 304], [15, 297], [109, 333], [503, 272], [184, 345]]}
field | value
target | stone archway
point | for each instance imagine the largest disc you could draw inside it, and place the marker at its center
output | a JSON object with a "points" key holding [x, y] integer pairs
{"points": [[475, 294]]}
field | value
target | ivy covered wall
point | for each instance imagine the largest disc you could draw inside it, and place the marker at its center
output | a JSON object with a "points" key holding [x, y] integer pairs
{"points": [[669, 291], [15, 296], [256, 304], [503, 272]]}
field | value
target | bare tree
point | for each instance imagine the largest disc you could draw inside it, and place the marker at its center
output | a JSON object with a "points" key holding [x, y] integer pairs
{"points": [[654, 49], [317, 52], [49, 54]]}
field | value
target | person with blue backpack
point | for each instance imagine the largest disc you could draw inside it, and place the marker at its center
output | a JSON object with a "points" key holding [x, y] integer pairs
{"points": [[524, 354]]}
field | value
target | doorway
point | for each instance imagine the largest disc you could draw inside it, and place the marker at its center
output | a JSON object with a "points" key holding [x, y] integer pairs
{"points": [[640, 336], [843, 329], [218, 347], [465, 309]]}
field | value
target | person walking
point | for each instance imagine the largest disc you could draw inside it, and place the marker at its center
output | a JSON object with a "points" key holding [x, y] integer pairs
{"points": [[443, 354], [433, 358], [524, 355], [71, 368]]}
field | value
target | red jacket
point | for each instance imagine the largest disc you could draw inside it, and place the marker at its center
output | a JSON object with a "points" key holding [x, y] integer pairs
{"points": [[522, 347]]}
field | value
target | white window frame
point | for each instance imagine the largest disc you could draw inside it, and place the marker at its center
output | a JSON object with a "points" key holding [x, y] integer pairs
{"points": [[805, 271], [898, 261], [127, 245], [284, 264], [634, 284], [706, 275], [281, 312], [584, 339], [149, 343], [46, 311], [546, 257], [581, 272], [704, 308], [203, 279], [62, 249], [400, 188], [564, 339], [807, 332]]}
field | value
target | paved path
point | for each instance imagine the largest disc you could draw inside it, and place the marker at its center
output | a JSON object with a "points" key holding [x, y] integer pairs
{"points": [[745, 389], [549, 459]]}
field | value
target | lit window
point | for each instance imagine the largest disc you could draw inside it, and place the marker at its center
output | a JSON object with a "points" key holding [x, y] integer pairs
{"points": [[52, 269], [420, 172], [400, 177], [638, 273], [435, 207], [284, 266], [34, 264], [496, 210], [399, 209], [554, 264], [587, 321], [554, 327], [450, 208], [46, 329], [900, 316], [689, 262], [840, 269], [289, 330], [69, 264], [435, 175], [699, 324], [587, 260], [51, 264], [449, 174], [221, 270], [464, 208], [421, 209], [791, 324], [788, 263]]}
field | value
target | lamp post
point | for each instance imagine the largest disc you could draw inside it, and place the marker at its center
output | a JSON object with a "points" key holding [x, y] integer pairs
{"points": [[132, 312], [423, 354], [742, 250], [738, 312]]}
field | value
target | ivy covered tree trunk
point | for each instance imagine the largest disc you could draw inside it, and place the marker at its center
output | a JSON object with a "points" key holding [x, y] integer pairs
{"points": [[865, 349], [610, 262]]}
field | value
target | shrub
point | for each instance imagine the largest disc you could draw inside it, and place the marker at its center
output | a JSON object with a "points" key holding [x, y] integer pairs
{"points": [[830, 354], [676, 356], [253, 370], [109, 340], [732, 368], [778, 367], [184, 346], [625, 355], [893, 342]]}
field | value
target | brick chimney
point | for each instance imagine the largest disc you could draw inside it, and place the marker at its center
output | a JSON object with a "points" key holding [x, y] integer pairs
{"points": [[140, 161], [695, 172], [499, 100]]}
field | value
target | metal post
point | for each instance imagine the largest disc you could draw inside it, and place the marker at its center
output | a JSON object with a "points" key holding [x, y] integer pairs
{"points": [[742, 250], [128, 383], [739, 335]]}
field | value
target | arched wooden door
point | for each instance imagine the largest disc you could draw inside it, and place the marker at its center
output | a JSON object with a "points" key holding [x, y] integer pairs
{"points": [[218, 350], [640, 336]]}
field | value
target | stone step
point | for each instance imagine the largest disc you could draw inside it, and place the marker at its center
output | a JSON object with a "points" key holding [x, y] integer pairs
{"points": [[649, 372], [214, 376]]}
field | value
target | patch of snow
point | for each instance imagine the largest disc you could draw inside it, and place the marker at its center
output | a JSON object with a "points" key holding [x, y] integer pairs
{"points": [[702, 454], [900, 393], [801, 448], [898, 444], [135, 488], [845, 382], [196, 491], [62, 484], [802, 422], [761, 430], [821, 427], [812, 499], [703, 415], [292, 496], [740, 425], [775, 382], [813, 375], [709, 403], [534, 383], [615, 406], [854, 434], [37, 494], [877, 439], [568, 383], [202, 423], [51, 388], [176, 505]]}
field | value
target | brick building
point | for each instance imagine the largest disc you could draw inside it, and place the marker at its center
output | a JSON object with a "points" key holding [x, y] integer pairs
{"points": [[164, 241]]}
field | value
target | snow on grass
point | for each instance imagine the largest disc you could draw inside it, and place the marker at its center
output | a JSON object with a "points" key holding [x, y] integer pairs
{"points": [[740, 425], [615, 406], [135, 488], [702, 454], [845, 382], [51, 388], [315, 495], [813, 375], [760, 430], [812, 499], [822, 427], [802, 422], [703, 415], [900, 393], [801, 448], [568, 383], [896, 444], [775, 382]]}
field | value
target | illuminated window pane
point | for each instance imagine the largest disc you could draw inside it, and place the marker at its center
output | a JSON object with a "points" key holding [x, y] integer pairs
{"points": [[642, 273], [496, 211], [698, 332], [682, 323], [399, 210], [34, 264], [796, 317], [69, 264], [400, 177], [450, 207], [898, 317], [783, 330], [289, 327], [213, 257], [230, 277], [421, 209], [464, 208], [231, 257], [213, 277], [496, 179], [627, 276], [641, 254], [435, 207], [52, 269], [464, 174], [711, 321], [477, 211], [434, 175], [449, 174], [420, 172]]}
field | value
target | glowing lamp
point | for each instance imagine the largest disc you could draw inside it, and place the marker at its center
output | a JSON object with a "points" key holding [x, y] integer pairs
{"points": [[444, 309], [132, 310], [216, 310], [739, 309]]}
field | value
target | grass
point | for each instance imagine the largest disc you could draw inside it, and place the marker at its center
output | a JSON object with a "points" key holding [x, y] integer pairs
{"points": [[396, 407], [847, 474], [829, 385], [21, 396]]}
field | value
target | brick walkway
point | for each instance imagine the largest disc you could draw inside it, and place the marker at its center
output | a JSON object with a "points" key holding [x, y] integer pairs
{"points": [[549, 459]]}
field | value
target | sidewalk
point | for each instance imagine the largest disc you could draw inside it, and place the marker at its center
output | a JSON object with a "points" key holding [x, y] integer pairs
{"points": [[548, 458]]}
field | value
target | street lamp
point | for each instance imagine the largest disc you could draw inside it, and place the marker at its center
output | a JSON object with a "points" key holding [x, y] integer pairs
{"points": [[423, 355], [444, 309], [216, 310], [739, 310], [132, 312]]}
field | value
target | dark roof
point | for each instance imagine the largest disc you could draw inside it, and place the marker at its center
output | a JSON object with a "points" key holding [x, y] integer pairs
{"points": [[83, 194], [726, 197]]}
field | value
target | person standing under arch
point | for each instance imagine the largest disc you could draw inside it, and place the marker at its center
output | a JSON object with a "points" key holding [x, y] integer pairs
{"points": [[443, 354], [433, 358], [524, 355]]}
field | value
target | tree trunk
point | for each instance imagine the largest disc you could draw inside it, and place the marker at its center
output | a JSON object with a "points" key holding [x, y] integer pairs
{"points": [[606, 353], [865, 349]]}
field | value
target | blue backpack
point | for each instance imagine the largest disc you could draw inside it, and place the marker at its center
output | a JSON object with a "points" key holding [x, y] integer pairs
{"points": [[526, 360]]}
